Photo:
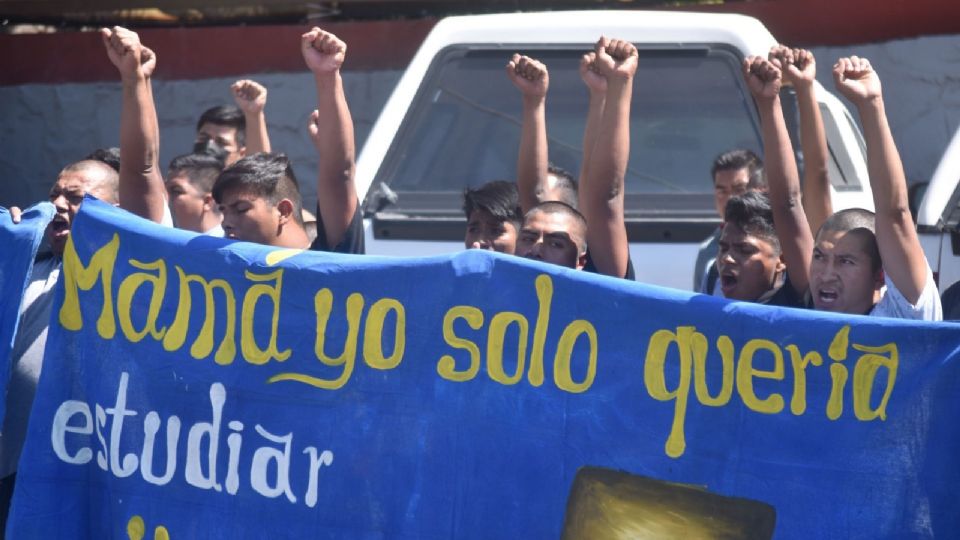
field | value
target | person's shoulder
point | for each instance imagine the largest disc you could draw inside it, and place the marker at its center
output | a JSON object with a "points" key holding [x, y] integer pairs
{"points": [[711, 241], [894, 304], [786, 296], [591, 267], [352, 241], [167, 220]]}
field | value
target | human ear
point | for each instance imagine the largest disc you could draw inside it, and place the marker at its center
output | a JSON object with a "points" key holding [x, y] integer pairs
{"points": [[208, 203], [879, 278], [781, 266], [285, 207], [581, 260]]}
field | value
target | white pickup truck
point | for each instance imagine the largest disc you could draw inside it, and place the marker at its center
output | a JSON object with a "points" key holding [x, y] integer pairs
{"points": [[938, 223], [454, 121]]}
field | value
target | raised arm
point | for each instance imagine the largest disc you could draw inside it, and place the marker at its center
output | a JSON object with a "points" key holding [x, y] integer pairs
{"points": [[332, 133], [602, 187], [900, 251], [783, 182], [251, 98], [799, 69], [597, 88], [141, 184], [532, 79]]}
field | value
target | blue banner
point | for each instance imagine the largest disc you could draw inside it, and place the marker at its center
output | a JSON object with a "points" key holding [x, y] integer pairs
{"points": [[197, 388], [20, 243]]}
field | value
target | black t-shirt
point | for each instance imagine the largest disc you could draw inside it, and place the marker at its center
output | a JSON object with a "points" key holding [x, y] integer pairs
{"points": [[592, 268], [785, 296], [352, 241]]}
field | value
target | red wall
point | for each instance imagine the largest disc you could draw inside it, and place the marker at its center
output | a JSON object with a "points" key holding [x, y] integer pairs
{"points": [[195, 53], [190, 53]]}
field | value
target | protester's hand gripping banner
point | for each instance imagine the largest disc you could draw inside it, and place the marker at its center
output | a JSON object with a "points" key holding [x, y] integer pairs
{"points": [[197, 388]]}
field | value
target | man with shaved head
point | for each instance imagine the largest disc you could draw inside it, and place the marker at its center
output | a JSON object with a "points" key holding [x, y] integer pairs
{"points": [[74, 181], [554, 232]]}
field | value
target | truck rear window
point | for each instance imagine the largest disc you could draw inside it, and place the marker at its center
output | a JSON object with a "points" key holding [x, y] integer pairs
{"points": [[463, 128]]}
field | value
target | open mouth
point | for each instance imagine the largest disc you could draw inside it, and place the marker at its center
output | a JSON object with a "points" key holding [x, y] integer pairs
{"points": [[59, 227], [827, 297], [728, 282]]}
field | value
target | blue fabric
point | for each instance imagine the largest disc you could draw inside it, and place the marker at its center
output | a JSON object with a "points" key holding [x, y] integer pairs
{"points": [[411, 438], [20, 243]]}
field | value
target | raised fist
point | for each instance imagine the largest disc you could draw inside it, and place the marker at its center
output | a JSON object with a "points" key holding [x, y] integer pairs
{"points": [[528, 75], [616, 58], [148, 61], [856, 80], [798, 66], [595, 82], [251, 96], [123, 49], [322, 51], [762, 78]]}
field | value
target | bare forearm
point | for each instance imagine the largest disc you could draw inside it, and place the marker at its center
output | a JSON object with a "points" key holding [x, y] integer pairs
{"points": [[602, 189], [900, 249], [611, 150], [532, 158], [256, 132], [594, 117], [883, 161], [336, 193], [813, 140], [141, 185], [784, 185]]}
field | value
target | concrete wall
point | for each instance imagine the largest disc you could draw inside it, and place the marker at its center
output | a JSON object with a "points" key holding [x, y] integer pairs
{"points": [[43, 127], [921, 88]]}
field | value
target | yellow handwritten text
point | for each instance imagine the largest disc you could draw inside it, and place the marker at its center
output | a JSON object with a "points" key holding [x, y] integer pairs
{"points": [[265, 289], [742, 374], [449, 368]]}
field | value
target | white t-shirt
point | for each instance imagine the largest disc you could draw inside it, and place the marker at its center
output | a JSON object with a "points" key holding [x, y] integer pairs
{"points": [[893, 304], [215, 231]]}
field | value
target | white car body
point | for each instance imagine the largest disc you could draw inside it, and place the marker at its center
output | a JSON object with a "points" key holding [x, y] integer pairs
{"points": [[662, 262], [938, 215]]}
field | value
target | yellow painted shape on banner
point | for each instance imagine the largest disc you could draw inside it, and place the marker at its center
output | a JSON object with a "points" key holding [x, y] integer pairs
{"points": [[137, 529], [275, 257]]}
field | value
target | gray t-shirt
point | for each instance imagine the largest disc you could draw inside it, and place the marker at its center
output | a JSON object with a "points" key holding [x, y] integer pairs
{"points": [[706, 257], [27, 359]]}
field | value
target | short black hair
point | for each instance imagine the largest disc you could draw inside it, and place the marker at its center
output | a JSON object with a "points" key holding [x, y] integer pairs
{"points": [[566, 183], [752, 213], [200, 169], [266, 175], [557, 207], [110, 156], [861, 222], [226, 115], [741, 158], [498, 198]]}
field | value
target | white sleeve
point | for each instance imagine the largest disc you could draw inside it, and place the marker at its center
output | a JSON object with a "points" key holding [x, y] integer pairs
{"points": [[167, 220], [894, 304]]}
